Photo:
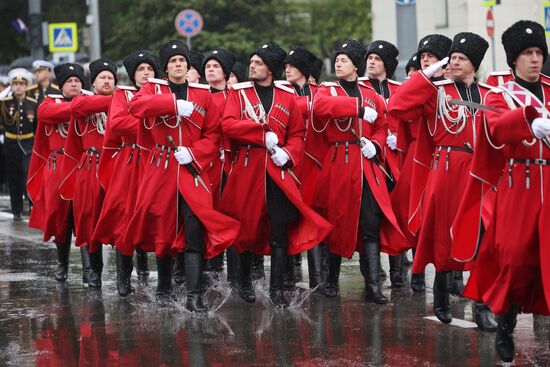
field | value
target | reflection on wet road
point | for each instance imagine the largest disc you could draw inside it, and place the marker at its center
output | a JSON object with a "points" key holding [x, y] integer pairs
{"points": [[44, 323]]}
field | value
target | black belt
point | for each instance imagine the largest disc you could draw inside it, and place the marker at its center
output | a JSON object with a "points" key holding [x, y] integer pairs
{"points": [[540, 162], [52, 161], [450, 148], [346, 143], [163, 150]]}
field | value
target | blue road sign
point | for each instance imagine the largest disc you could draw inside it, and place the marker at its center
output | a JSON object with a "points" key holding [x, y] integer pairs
{"points": [[189, 23]]}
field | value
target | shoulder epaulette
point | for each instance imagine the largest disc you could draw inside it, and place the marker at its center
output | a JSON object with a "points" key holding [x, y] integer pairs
{"points": [[284, 87], [283, 82], [126, 87], [31, 87], [443, 82], [157, 81], [485, 85], [366, 85], [496, 90], [9, 98], [329, 84], [501, 73], [87, 92], [394, 82], [31, 99], [198, 85], [55, 86], [242, 85], [545, 78], [55, 96]]}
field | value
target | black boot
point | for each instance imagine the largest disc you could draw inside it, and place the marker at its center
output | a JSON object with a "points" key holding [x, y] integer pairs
{"points": [[382, 276], [418, 282], [258, 271], [63, 252], [484, 317], [193, 274], [504, 341], [396, 270], [457, 287], [233, 268], [298, 260], [179, 269], [442, 303], [164, 284], [246, 290], [96, 268], [124, 267], [142, 266], [279, 259], [372, 253], [332, 285], [289, 274], [314, 267], [215, 264], [85, 255]]}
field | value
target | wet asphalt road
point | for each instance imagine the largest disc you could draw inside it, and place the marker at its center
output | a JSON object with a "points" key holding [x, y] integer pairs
{"points": [[45, 323]]}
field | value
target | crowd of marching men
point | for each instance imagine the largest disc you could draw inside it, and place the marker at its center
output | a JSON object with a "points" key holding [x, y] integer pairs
{"points": [[250, 165]]}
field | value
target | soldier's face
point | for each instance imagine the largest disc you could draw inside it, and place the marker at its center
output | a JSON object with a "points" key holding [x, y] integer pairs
{"points": [[214, 72], [293, 75], [528, 64], [460, 66], [104, 83], [412, 71], [18, 87], [72, 87], [344, 68], [427, 58], [258, 71], [193, 75], [375, 67], [42, 75], [177, 68], [232, 79], [143, 72]]}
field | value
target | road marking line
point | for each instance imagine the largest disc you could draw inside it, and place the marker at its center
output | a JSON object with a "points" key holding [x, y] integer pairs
{"points": [[456, 322]]}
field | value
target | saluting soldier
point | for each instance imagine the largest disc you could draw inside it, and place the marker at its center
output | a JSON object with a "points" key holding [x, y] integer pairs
{"points": [[43, 77], [18, 124]]}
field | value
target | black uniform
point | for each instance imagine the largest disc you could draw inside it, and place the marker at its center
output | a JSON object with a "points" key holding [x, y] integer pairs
{"points": [[18, 123], [38, 93]]}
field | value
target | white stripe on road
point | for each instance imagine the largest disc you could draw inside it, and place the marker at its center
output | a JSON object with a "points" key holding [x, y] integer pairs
{"points": [[456, 322]]}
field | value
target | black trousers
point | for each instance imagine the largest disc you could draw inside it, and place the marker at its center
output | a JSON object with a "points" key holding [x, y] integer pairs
{"points": [[194, 230], [370, 216], [17, 168], [281, 213]]}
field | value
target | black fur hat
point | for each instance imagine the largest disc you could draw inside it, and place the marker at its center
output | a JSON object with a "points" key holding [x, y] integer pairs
{"points": [[521, 35], [172, 48], [273, 56], [436, 44], [316, 70], [470, 44], [387, 52], [356, 52], [136, 58], [413, 62], [195, 60], [65, 71], [99, 65], [301, 59], [241, 71], [225, 57]]}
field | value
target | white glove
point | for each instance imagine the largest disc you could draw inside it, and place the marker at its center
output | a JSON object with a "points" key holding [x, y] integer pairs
{"points": [[183, 156], [185, 108], [271, 140], [434, 68], [541, 127], [1, 138], [279, 157], [370, 114], [222, 155], [367, 148], [391, 141]]}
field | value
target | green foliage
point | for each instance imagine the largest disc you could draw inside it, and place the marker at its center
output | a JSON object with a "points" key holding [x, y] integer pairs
{"points": [[239, 25]]}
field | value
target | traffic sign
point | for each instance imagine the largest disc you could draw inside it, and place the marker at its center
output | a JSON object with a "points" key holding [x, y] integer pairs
{"points": [[490, 23], [405, 2], [189, 23], [489, 2], [546, 13], [63, 37]]}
